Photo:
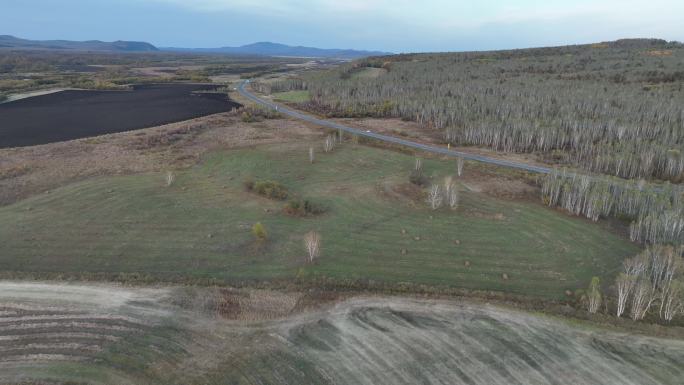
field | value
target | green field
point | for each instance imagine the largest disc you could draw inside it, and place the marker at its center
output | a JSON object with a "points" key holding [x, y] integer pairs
{"points": [[292, 96], [200, 227]]}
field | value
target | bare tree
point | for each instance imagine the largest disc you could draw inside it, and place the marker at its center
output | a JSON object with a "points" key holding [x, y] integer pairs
{"points": [[434, 197], [312, 243], [669, 265], [624, 283], [418, 167], [636, 265], [594, 295], [329, 143], [448, 185], [340, 135], [674, 302], [459, 166], [170, 178], [641, 299], [453, 198], [312, 156], [451, 192]]}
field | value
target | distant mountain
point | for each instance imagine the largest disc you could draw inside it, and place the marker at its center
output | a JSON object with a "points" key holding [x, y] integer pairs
{"points": [[275, 49], [7, 41]]}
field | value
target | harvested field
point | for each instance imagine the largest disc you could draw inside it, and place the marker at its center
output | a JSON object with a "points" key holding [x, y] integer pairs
{"points": [[70, 115], [143, 336]]}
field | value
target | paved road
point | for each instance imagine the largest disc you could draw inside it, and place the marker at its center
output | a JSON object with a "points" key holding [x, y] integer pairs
{"points": [[389, 139]]}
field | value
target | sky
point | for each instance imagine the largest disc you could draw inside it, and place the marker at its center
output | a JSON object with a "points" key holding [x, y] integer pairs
{"points": [[387, 25]]}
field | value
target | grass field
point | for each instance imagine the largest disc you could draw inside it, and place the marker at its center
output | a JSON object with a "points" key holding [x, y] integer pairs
{"points": [[199, 228], [292, 96]]}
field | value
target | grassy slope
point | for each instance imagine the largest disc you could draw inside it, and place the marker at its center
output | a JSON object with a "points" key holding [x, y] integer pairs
{"points": [[200, 227]]}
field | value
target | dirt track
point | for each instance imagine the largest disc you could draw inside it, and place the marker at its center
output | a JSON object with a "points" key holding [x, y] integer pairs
{"points": [[72, 114]]}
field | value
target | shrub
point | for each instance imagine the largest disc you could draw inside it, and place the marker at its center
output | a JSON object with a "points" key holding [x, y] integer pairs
{"points": [[418, 178], [248, 117], [248, 183], [259, 231], [303, 207], [270, 189], [258, 114]]}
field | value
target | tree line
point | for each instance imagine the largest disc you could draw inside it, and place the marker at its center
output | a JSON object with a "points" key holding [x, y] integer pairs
{"points": [[650, 282], [656, 211]]}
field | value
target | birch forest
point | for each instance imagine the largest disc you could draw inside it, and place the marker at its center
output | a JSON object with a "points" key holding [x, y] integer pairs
{"points": [[616, 108]]}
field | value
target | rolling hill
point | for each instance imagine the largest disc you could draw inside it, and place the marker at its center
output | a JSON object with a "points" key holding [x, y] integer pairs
{"points": [[276, 49], [8, 41]]}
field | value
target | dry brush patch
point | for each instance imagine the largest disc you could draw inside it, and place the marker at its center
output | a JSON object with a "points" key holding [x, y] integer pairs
{"points": [[30, 170]]}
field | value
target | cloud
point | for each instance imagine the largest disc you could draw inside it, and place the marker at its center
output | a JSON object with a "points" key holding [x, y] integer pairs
{"points": [[446, 13], [395, 25]]}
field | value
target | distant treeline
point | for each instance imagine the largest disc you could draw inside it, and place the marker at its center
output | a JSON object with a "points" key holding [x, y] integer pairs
{"points": [[24, 70], [615, 108]]}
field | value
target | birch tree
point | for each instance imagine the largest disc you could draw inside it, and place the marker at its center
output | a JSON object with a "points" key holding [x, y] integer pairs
{"points": [[624, 284], [329, 144], [673, 304], [448, 185], [641, 299], [170, 178], [453, 198], [312, 243], [594, 295], [435, 198]]}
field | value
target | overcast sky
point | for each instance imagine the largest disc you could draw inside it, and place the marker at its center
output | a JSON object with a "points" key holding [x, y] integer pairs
{"points": [[389, 25]]}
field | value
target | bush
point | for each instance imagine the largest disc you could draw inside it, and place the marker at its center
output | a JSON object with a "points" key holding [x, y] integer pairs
{"points": [[259, 231], [248, 117], [418, 178], [270, 189], [302, 208], [248, 183], [258, 114]]}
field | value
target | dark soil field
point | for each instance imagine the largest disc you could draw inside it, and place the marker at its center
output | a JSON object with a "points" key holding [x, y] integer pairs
{"points": [[71, 115]]}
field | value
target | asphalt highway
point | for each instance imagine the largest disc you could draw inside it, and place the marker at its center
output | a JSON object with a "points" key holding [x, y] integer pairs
{"points": [[389, 139]]}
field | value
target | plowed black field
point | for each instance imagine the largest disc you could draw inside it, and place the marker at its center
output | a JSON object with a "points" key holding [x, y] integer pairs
{"points": [[71, 115]]}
